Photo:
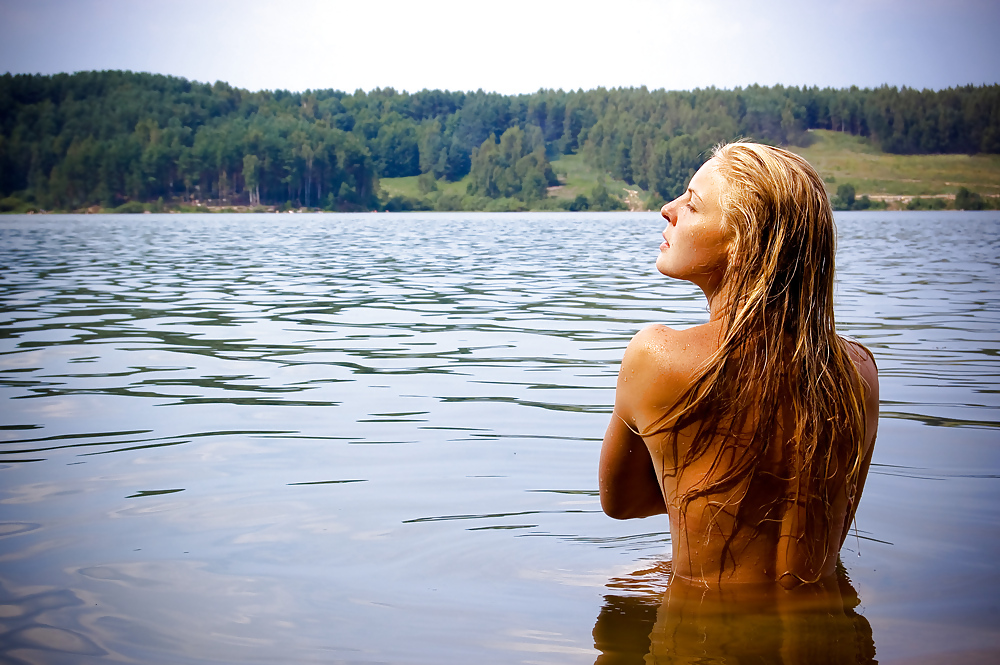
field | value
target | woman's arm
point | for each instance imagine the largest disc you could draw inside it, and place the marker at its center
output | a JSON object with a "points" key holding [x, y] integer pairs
{"points": [[627, 478], [628, 482]]}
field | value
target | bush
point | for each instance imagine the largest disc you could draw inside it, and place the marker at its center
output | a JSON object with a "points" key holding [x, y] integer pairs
{"points": [[926, 204], [846, 194], [601, 199], [504, 204], [448, 203], [580, 203], [400, 203], [426, 183], [130, 208], [845, 198], [552, 204], [12, 204], [966, 200]]}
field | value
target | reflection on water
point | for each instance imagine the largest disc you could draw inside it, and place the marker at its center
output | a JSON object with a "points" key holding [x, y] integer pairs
{"points": [[25, 629], [645, 621], [374, 439]]}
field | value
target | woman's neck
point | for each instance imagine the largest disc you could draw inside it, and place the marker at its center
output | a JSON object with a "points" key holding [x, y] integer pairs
{"points": [[716, 291]]}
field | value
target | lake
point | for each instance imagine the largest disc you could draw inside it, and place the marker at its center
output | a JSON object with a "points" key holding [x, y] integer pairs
{"points": [[374, 439]]}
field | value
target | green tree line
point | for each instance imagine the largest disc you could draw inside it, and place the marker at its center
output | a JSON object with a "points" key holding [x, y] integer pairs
{"points": [[69, 141]]}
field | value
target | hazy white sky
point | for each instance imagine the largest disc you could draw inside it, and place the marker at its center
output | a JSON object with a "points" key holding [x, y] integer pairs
{"points": [[513, 46]]}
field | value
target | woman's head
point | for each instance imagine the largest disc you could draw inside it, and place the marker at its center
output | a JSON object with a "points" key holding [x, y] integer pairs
{"points": [[781, 255], [696, 241]]}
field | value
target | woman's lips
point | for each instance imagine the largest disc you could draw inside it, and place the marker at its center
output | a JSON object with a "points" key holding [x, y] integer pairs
{"points": [[664, 246]]}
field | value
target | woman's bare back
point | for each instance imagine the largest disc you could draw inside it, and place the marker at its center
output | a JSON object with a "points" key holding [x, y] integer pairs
{"points": [[760, 530]]}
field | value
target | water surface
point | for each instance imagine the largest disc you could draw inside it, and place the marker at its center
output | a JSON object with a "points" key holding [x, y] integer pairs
{"points": [[374, 439]]}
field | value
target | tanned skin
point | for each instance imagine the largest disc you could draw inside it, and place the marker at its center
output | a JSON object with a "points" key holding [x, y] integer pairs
{"points": [[639, 476]]}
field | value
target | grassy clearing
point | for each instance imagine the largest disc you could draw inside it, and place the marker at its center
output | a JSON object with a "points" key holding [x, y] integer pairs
{"points": [[842, 158], [400, 186], [410, 188], [578, 177]]}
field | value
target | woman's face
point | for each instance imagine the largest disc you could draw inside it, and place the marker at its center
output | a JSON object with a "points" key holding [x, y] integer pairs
{"points": [[696, 242]]}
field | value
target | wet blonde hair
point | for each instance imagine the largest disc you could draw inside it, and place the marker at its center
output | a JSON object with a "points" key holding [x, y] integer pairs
{"points": [[780, 340]]}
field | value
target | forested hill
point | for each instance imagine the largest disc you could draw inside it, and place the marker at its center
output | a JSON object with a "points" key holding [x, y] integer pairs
{"points": [[109, 138]]}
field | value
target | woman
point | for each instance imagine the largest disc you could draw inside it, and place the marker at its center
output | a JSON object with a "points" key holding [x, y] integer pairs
{"points": [[755, 430]]}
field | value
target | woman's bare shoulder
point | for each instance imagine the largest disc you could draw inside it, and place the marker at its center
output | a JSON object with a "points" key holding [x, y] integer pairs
{"points": [[651, 340], [661, 348], [859, 352], [660, 363], [863, 359]]}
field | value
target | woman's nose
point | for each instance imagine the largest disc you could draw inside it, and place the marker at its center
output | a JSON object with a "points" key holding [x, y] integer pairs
{"points": [[665, 212]]}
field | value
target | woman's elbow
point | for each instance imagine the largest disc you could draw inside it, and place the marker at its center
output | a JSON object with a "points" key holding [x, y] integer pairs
{"points": [[622, 501], [612, 502], [617, 508]]}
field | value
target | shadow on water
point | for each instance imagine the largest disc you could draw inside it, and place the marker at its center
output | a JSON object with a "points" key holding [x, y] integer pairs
{"points": [[644, 620]]}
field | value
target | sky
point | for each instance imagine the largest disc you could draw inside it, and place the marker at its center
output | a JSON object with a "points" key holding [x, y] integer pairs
{"points": [[515, 46]]}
